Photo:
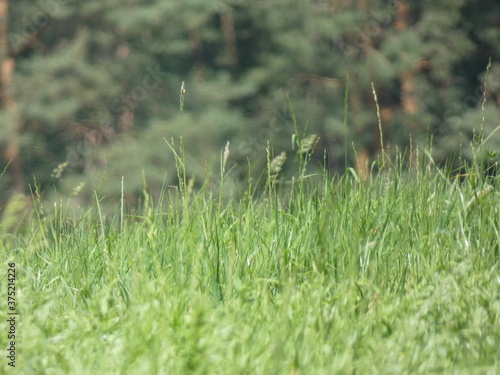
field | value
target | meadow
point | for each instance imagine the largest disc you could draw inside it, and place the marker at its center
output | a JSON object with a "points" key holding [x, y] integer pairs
{"points": [[393, 274]]}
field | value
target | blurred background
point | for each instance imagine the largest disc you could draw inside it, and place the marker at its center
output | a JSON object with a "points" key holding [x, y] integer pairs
{"points": [[90, 90]]}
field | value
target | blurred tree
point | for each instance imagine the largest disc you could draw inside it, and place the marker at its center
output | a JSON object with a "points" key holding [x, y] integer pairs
{"points": [[60, 84], [96, 84], [8, 104]]}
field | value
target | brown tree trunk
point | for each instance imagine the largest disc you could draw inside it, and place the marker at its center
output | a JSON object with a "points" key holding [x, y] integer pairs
{"points": [[362, 150], [227, 21], [197, 45], [7, 102], [362, 167], [402, 13], [407, 79]]}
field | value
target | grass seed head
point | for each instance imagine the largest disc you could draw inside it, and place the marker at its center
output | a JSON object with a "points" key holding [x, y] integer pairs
{"points": [[225, 157], [277, 163], [308, 144], [58, 171]]}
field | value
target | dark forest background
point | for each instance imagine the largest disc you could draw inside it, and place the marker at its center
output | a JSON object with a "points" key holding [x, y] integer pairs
{"points": [[90, 90]]}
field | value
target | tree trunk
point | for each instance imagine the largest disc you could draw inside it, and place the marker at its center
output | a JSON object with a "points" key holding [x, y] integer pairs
{"points": [[7, 101], [197, 45], [407, 79], [227, 21], [362, 149]]}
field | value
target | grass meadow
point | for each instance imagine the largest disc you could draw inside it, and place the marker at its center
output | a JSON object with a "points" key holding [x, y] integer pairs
{"points": [[394, 274]]}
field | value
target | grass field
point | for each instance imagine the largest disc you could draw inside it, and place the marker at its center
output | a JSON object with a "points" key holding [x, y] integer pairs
{"points": [[397, 274]]}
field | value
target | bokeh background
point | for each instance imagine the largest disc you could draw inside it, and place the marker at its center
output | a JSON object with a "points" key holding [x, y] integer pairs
{"points": [[90, 90]]}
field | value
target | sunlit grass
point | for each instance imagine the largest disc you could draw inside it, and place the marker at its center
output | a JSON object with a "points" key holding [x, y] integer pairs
{"points": [[395, 274]]}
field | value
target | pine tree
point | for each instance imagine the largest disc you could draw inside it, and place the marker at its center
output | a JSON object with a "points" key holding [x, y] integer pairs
{"points": [[96, 84]]}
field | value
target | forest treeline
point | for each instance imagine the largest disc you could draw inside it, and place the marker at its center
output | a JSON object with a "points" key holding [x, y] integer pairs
{"points": [[90, 90]]}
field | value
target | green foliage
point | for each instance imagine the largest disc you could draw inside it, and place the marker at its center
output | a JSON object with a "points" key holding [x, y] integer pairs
{"points": [[141, 253], [87, 95]]}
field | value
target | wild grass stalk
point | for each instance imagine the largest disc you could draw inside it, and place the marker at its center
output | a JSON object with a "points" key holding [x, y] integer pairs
{"points": [[397, 273]]}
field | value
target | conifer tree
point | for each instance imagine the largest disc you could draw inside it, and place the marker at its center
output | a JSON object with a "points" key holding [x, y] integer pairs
{"points": [[87, 85]]}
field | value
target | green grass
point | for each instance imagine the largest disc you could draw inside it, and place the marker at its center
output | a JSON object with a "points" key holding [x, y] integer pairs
{"points": [[394, 275]]}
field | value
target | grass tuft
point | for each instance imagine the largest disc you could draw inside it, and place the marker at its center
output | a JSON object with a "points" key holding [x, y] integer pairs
{"points": [[397, 273]]}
